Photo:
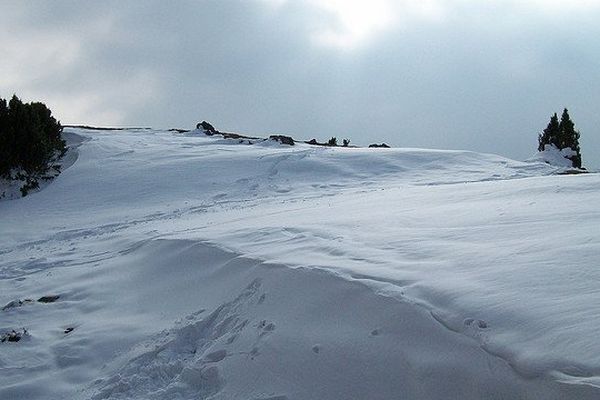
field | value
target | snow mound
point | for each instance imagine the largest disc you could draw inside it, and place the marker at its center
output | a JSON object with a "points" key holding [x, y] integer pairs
{"points": [[191, 266], [556, 157]]}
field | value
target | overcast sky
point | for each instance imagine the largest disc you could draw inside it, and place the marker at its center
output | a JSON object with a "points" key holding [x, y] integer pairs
{"points": [[453, 74]]}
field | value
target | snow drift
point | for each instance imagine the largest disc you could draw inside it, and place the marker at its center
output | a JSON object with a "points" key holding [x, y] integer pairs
{"points": [[193, 267], [556, 157]]}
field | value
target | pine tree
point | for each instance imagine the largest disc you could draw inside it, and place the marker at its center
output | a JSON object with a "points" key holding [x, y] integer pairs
{"points": [[551, 134], [562, 135], [566, 128], [30, 139], [569, 138], [5, 139]]}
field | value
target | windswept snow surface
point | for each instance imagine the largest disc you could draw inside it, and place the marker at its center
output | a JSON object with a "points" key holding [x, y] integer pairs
{"points": [[191, 267]]}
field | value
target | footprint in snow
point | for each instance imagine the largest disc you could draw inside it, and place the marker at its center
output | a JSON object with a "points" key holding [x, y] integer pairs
{"points": [[232, 338], [254, 353], [475, 323], [265, 327], [216, 356]]}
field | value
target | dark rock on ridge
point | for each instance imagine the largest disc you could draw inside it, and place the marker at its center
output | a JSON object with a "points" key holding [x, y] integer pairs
{"points": [[282, 139], [207, 127]]}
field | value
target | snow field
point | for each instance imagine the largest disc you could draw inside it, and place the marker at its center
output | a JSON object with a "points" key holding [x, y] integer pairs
{"points": [[190, 267]]}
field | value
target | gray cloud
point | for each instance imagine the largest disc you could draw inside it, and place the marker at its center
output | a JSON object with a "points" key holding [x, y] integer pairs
{"points": [[483, 77]]}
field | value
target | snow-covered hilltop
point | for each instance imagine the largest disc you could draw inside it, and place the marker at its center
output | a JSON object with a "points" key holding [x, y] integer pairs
{"points": [[196, 267]]}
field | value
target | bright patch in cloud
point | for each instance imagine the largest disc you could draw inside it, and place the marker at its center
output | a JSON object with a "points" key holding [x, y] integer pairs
{"points": [[355, 22]]}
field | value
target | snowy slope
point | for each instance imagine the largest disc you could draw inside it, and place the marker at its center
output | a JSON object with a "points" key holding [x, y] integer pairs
{"points": [[196, 267]]}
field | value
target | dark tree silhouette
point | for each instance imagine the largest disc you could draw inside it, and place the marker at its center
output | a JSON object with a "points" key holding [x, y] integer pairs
{"points": [[550, 134], [569, 137], [561, 135], [30, 140]]}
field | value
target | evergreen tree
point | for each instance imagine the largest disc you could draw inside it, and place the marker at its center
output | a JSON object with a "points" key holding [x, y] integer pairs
{"points": [[30, 139], [569, 138], [5, 139], [550, 134], [562, 135]]}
